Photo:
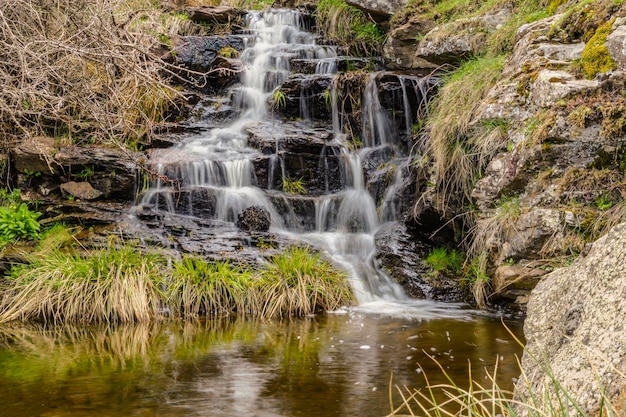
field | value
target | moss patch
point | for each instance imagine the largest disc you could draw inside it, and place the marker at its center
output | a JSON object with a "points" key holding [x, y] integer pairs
{"points": [[595, 58]]}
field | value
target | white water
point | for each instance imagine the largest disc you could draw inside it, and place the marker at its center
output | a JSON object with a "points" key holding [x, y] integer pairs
{"points": [[346, 222]]}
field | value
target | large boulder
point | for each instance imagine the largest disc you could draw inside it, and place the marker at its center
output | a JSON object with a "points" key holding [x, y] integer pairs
{"points": [[576, 330], [254, 219]]}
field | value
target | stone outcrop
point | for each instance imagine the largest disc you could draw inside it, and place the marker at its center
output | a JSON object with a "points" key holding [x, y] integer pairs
{"points": [[379, 9], [576, 330], [44, 163]]}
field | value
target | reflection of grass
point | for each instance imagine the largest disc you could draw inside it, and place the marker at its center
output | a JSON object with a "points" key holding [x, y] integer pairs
{"points": [[488, 399]]}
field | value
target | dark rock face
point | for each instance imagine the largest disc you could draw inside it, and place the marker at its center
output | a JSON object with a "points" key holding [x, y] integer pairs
{"points": [[401, 256], [43, 165], [219, 14], [212, 60], [254, 219]]}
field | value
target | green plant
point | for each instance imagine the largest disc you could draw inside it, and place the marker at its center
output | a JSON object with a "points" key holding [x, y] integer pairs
{"points": [[10, 198], [478, 280], [18, 222], [604, 202], [280, 99], [350, 27], [298, 282], [199, 287], [294, 186], [228, 52], [328, 98], [444, 260], [108, 285], [461, 149], [86, 173]]}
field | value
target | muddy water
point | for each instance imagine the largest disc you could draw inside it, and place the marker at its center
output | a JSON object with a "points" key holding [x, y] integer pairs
{"points": [[329, 365]]}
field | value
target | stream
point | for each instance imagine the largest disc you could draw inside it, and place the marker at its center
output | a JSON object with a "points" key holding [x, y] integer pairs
{"points": [[357, 176]]}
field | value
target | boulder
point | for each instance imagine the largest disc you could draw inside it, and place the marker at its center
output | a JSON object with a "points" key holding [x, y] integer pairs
{"points": [[379, 9], [576, 331], [513, 283], [254, 219], [455, 41], [399, 48], [551, 86]]}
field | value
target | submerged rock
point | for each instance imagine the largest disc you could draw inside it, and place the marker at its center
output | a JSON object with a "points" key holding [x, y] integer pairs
{"points": [[576, 330], [254, 219]]}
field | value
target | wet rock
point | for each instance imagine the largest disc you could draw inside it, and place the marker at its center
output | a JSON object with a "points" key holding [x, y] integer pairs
{"points": [[296, 211], [401, 257], [81, 190], [301, 153], [254, 219], [307, 97], [213, 60], [576, 328]]}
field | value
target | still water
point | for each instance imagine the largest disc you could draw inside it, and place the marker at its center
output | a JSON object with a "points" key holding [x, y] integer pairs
{"points": [[328, 365]]}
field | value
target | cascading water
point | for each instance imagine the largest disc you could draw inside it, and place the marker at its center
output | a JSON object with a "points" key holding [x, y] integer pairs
{"points": [[219, 164]]}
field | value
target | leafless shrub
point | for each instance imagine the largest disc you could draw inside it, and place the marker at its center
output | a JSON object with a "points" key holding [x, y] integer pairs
{"points": [[83, 69]]}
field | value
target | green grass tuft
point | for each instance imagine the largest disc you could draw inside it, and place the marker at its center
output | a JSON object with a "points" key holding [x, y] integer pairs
{"points": [[106, 286], [199, 287], [298, 282]]}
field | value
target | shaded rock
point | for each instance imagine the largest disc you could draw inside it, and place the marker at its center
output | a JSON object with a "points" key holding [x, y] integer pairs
{"points": [[296, 211], [576, 329], [531, 232], [213, 57], [399, 48], [254, 219], [81, 190], [457, 40], [513, 283], [219, 14], [42, 164], [36, 154]]}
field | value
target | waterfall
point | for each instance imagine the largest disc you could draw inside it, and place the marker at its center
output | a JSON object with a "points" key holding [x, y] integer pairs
{"points": [[221, 164]]}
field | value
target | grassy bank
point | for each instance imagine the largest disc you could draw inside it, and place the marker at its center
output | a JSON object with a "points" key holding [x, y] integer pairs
{"points": [[126, 284]]}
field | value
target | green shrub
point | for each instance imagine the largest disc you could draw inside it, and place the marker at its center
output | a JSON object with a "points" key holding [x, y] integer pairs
{"points": [[18, 222], [298, 282]]}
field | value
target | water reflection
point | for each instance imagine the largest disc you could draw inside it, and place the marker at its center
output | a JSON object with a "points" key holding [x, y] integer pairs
{"points": [[329, 365]]}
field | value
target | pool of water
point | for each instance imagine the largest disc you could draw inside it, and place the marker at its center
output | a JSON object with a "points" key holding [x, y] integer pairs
{"points": [[327, 365]]}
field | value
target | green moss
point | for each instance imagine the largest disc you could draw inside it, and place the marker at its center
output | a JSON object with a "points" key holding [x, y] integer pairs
{"points": [[228, 52], [595, 58]]}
